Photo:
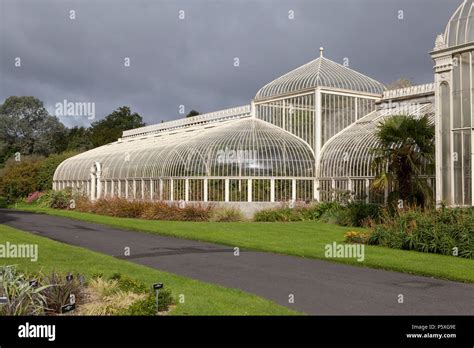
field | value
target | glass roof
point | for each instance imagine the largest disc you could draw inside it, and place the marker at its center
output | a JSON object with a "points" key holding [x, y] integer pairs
{"points": [[320, 72], [349, 154], [237, 148], [460, 29]]}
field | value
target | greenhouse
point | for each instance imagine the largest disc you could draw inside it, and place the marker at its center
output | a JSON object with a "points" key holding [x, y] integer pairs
{"points": [[306, 136]]}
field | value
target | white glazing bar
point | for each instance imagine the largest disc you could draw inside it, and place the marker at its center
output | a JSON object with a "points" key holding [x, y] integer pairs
{"points": [[205, 190]]}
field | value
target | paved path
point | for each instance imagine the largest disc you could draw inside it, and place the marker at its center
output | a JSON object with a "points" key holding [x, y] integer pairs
{"points": [[319, 287]]}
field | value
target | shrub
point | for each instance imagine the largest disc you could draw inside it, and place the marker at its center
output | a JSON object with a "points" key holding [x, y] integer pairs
{"points": [[337, 216], [18, 179], [22, 297], [354, 214], [33, 197], [196, 212], [357, 237], [4, 202], [227, 215], [60, 199], [122, 207], [106, 298], [299, 213], [127, 284], [147, 306], [441, 231], [59, 291], [284, 214], [361, 213], [315, 211]]}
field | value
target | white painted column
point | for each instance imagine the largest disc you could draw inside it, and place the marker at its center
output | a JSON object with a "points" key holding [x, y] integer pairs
{"points": [[143, 189], [349, 188], [293, 190], [205, 190], [171, 190], [272, 190], [226, 190], [119, 187], [367, 191], [99, 186], [126, 188], [249, 190], [160, 188], [92, 190], [152, 189], [186, 190], [316, 196], [134, 188], [333, 188]]}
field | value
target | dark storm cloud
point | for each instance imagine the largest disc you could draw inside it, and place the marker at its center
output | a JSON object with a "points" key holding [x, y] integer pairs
{"points": [[190, 61]]}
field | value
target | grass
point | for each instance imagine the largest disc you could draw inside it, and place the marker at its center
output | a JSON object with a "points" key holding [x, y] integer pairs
{"points": [[200, 298], [303, 239]]}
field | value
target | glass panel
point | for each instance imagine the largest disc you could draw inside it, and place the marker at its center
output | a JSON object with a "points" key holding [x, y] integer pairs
{"points": [[445, 144], [457, 167], [466, 89], [467, 167]]}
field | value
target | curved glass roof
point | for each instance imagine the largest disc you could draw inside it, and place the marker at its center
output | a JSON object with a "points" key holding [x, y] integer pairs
{"points": [[349, 155], [237, 148], [460, 29], [320, 72]]}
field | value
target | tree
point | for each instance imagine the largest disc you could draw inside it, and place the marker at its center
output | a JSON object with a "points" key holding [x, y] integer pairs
{"points": [[78, 139], [47, 167], [111, 127], [28, 128], [192, 113], [407, 147], [18, 179]]}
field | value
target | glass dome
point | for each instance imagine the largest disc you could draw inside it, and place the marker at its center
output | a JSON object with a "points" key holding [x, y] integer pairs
{"points": [[320, 72], [460, 29]]}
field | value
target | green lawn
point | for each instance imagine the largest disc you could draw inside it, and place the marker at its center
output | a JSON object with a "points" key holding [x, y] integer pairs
{"points": [[200, 298], [304, 239]]}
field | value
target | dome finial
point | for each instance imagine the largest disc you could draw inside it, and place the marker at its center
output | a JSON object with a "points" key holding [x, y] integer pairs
{"points": [[321, 50]]}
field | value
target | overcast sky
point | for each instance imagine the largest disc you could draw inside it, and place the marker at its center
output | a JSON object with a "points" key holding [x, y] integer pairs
{"points": [[190, 61]]}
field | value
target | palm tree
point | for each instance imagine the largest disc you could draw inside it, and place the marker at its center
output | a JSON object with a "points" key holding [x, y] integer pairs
{"points": [[406, 151]]}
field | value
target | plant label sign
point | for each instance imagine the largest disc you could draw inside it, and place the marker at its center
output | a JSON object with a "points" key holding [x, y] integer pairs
{"points": [[67, 308], [158, 286], [3, 300]]}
